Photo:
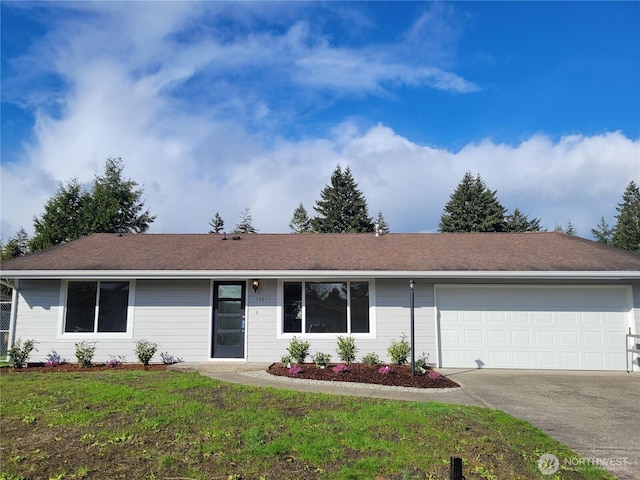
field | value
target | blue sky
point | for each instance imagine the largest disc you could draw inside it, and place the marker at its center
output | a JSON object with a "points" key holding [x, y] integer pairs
{"points": [[215, 107]]}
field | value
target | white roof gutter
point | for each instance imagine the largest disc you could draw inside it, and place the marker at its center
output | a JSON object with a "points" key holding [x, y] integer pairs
{"points": [[314, 274]]}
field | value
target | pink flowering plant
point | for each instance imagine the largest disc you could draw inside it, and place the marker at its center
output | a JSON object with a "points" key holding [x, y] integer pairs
{"points": [[434, 375], [340, 368], [114, 361], [385, 370], [295, 369]]}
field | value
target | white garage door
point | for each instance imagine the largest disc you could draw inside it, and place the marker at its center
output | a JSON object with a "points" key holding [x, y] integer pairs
{"points": [[559, 327]]}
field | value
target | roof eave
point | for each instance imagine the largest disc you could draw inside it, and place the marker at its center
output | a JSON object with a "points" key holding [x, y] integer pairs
{"points": [[317, 274]]}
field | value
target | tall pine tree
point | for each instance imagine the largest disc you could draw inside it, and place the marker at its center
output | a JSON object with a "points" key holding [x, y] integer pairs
{"points": [[519, 222], [473, 208], [65, 217], [627, 229], [116, 205], [383, 226], [217, 224], [300, 222], [113, 205], [342, 207], [245, 225], [602, 233]]}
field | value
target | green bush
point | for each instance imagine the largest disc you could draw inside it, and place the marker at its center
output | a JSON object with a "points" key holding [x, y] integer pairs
{"points": [[399, 350], [286, 360], [321, 359], [371, 359], [145, 350], [298, 349], [84, 353], [19, 352], [422, 362], [347, 349]]}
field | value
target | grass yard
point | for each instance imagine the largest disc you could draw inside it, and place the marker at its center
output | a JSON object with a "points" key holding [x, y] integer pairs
{"points": [[168, 425]]}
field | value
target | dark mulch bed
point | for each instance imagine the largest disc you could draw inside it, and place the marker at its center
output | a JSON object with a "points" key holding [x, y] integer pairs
{"points": [[399, 376], [74, 367]]}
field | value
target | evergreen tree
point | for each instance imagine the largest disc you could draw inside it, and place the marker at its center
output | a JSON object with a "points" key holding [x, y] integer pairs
{"points": [[602, 233], [342, 207], [65, 217], [115, 203], [17, 246], [300, 222], [569, 229], [473, 208], [627, 230], [519, 222], [112, 206], [245, 225], [383, 226], [217, 223]]}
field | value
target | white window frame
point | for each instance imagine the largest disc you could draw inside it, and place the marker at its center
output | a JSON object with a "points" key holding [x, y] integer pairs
{"points": [[280, 334], [64, 291]]}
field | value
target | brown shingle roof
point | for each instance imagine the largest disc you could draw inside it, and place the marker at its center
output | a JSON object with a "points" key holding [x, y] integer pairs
{"points": [[474, 252]]}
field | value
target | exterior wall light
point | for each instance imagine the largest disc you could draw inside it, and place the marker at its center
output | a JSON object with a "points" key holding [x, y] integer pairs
{"points": [[255, 283]]}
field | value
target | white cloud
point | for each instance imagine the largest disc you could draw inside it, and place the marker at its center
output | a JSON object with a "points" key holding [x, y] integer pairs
{"points": [[216, 151]]}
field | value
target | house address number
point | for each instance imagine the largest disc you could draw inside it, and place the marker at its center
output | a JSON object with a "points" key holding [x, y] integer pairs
{"points": [[261, 299]]}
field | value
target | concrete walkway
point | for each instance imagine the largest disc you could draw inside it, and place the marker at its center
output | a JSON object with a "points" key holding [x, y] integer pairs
{"points": [[597, 414]]}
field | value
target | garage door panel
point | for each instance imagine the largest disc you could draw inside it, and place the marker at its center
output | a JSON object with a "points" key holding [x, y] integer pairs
{"points": [[560, 327], [593, 338], [497, 337], [545, 359], [521, 337], [543, 337], [474, 337], [568, 339]]}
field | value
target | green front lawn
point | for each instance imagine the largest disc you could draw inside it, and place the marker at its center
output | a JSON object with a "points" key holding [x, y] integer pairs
{"points": [[167, 425]]}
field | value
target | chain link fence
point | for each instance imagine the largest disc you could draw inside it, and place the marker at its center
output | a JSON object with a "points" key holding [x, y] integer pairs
{"points": [[5, 322]]}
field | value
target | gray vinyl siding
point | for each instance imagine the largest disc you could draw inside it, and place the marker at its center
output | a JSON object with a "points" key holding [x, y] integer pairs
{"points": [[392, 318], [174, 314], [37, 318]]}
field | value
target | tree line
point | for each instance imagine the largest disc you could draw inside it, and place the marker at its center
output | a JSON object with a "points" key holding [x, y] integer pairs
{"points": [[114, 204]]}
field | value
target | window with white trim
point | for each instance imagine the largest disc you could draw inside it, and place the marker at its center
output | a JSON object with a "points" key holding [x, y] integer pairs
{"points": [[97, 307], [326, 307]]}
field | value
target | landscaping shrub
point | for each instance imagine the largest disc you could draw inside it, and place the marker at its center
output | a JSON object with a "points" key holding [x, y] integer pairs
{"points": [[145, 350], [19, 352], [115, 360], [321, 359], [54, 359], [298, 349], [371, 359], [84, 353], [286, 360], [169, 359], [347, 349], [422, 362], [399, 350]]}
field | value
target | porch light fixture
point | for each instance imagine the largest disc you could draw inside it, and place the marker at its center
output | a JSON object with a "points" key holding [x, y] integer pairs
{"points": [[255, 283]]}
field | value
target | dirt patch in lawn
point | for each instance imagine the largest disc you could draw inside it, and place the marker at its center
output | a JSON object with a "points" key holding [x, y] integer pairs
{"points": [[74, 367], [391, 375]]}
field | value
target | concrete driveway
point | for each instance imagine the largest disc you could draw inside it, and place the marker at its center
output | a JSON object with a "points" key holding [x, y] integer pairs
{"points": [[597, 414]]}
